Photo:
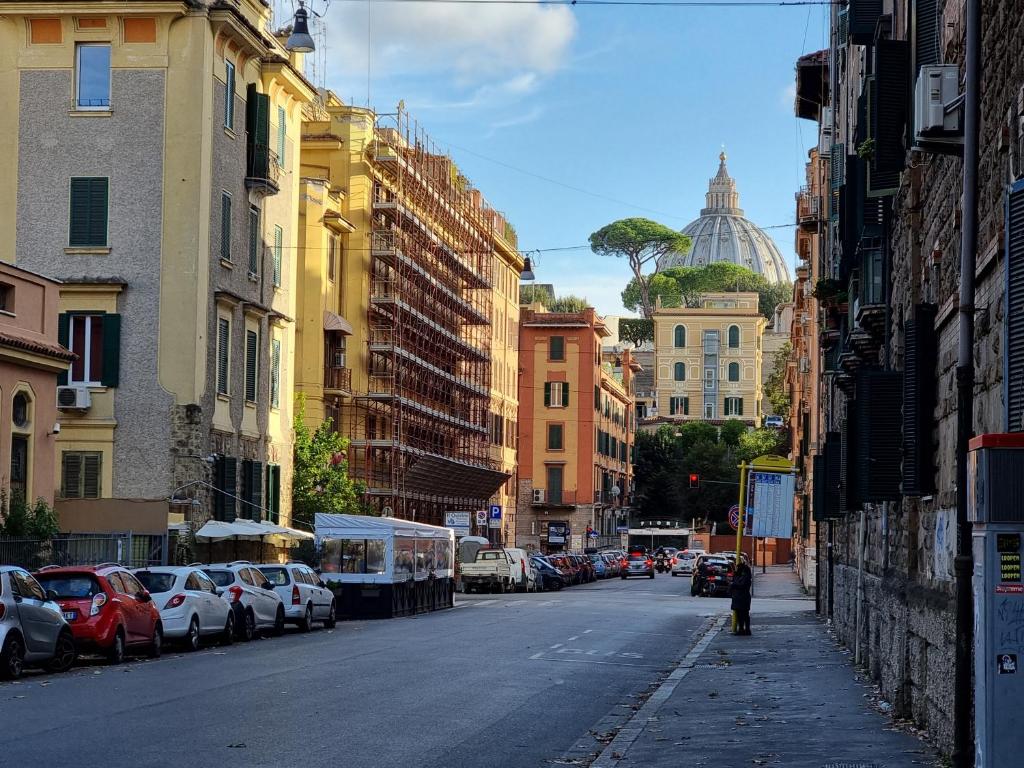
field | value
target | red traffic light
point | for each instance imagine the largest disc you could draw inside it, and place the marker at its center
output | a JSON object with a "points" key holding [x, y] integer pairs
{"points": [[694, 480]]}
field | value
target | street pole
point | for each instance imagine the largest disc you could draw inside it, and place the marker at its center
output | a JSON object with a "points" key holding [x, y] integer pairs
{"points": [[739, 525]]}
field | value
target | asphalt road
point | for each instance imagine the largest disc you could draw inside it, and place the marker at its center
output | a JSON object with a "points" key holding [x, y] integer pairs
{"points": [[500, 680]]}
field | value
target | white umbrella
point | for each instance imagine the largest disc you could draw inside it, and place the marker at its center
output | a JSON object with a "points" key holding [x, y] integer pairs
{"points": [[218, 530]]}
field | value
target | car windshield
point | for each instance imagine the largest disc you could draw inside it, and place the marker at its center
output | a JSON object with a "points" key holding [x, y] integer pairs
{"points": [[221, 578], [156, 583], [276, 576], [638, 558], [69, 587], [596, 559]]}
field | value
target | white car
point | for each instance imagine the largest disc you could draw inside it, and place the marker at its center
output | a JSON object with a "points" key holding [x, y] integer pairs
{"points": [[253, 599], [683, 562], [775, 422], [190, 607], [306, 598]]}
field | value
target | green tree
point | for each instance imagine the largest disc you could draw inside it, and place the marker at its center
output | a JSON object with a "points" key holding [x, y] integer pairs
{"points": [[758, 442], [24, 520], [569, 303], [731, 432], [662, 285], [777, 388], [530, 294], [320, 481], [641, 242], [636, 330]]}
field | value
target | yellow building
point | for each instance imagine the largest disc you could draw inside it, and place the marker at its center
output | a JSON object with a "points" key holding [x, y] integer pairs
{"points": [[708, 360], [418, 366], [153, 169]]}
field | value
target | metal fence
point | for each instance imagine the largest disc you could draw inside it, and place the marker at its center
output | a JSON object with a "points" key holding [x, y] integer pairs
{"points": [[131, 550]]}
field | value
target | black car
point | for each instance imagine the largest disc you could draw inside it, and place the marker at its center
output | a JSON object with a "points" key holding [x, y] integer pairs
{"points": [[711, 576], [548, 577]]}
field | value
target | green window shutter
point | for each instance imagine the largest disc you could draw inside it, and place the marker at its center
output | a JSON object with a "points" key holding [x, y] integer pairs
{"points": [[556, 350], [547, 394], [225, 226], [252, 348], [229, 95], [282, 134], [63, 325], [926, 22], [256, 490], [111, 350], [597, 398], [686, 406], [671, 406], [71, 475], [739, 406], [275, 372], [88, 213], [257, 124], [278, 245], [91, 463], [223, 347], [254, 240], [228, 484], [565, 394]]}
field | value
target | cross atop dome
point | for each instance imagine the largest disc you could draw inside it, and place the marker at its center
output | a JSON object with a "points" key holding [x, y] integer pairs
{"points": [[722, 196]]}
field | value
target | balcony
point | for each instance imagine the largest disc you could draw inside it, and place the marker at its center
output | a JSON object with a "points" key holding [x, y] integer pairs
{"points": [[557, 498], [869, 301], [809, 211], [337, 380], [262, 170]]}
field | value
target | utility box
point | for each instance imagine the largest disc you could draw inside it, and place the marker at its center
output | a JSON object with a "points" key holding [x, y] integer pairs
{"points": [[996, 507]]}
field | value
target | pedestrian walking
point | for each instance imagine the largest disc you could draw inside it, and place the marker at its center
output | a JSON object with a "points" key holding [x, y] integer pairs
{"points": [[742, 581]]}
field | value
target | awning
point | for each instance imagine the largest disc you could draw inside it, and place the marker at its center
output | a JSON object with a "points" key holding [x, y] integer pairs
{"points": [[335, 322], [249, 530], [440, 476]]}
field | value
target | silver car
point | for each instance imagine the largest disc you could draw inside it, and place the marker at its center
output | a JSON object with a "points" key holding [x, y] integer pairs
{"points": [[32, 627], [305, 597]]}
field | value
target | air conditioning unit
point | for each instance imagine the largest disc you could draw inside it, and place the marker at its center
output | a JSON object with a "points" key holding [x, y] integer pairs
{"points": [[339, 358], [936, 113], [73, 398], [538, 495]]}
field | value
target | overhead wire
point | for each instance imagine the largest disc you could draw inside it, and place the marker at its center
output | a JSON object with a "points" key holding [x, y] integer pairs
{"points": [[620, 3]]}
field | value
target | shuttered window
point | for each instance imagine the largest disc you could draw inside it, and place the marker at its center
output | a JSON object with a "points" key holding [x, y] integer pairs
{"points": [[80, 474], [225, 480], [332, 257], [827, 467], [229, 95], [273, 493], [1013, 372], [925, 33], [225, 226], [734, 337], [275, 372], [889, 96], [252, 351], [556, 394], [734, 371], [879, 433], [88, 219], [282, 135], [557, 349], [257, 126], [597, 398], [96, 340], [555, 437], [679, 336], [278, 246], [862, 18], [254, 241], [734, 406], [251, 491], [679, 406], [919, 396], [223, 354]]}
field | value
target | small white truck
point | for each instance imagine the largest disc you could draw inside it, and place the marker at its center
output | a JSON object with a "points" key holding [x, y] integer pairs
{"points": [[497, 570]]}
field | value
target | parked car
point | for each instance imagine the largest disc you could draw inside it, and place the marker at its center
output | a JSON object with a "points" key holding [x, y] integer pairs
{"points": [[611, 564], [190, 608], [495, 570], [774, 422], [712, 575], [599, 565], [569, 567], [548, 577], [587, 574], [683, 562], [107, 608], [638, 564], [305, 596], [256, 605], [33, 631]]}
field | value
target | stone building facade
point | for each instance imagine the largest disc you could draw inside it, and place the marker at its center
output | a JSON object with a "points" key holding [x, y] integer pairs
{"points": [[883, 489]]}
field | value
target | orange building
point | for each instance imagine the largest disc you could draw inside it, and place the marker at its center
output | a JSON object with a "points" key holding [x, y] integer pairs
{"points": [[576, 426], [30, 361]]}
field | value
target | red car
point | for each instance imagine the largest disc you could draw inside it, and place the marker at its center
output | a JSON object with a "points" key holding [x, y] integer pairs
{"points": [[107, 608]]}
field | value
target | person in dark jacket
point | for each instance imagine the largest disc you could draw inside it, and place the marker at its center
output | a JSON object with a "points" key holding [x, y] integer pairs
{"points": [[742, 581]]}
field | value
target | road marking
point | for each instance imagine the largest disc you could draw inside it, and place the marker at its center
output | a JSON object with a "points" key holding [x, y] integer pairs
{"points": [[516, 602], [557, 645], [594, 652], [587, 631], [541, 657], [574, 637], [485, 602]]}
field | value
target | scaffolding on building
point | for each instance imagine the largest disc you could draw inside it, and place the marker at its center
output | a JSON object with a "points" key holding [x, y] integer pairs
{"points": [[420, 431]]}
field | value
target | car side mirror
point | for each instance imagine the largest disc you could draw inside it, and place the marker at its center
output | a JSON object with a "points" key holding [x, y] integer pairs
{"points": [[267, 585], [322, 583], [143, 597], [52, 596]]}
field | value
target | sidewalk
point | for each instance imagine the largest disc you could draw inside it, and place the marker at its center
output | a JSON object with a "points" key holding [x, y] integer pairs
{"points": [[786, 696]]}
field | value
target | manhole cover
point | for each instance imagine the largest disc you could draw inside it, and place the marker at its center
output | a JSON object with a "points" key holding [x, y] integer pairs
{"points": [[846, 764]]}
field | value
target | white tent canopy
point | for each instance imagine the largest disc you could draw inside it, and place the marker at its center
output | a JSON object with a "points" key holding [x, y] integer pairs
{"points": [[248, 530], [367, 527]]}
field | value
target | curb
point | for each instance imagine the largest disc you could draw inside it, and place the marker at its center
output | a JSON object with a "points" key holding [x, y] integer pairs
{"points": [[631, 730]]}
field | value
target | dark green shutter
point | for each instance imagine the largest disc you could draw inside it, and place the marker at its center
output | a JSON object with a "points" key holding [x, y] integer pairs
{"points": [[225, 226], [88, 214], [257, 123], [862, 17], [557, 348], [547, 394], [879, 420], [597, 398], [256, 490], [565, 394], [925, 34], [226, 482], [111, 350], [837, 158], [686, 406], [739, 406], [252, 348], [1013, 371], [63, 334], [919, 394], [889, 97]]}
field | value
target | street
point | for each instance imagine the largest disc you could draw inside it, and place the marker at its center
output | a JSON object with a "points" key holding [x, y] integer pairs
{"points": [[501, 680]]}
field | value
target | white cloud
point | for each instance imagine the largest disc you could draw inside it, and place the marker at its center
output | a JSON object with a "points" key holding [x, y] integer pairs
{"points": [[788, 97], [473, 43]]}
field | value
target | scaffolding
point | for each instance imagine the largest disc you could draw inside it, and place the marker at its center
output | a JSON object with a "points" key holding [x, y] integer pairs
{"points": [[420, 431]]}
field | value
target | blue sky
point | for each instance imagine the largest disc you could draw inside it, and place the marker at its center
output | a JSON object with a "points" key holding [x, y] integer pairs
{"points": [[628, 103]]}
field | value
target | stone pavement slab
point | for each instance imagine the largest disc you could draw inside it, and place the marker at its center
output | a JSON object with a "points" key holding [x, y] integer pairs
{"points": [[785, 696]]}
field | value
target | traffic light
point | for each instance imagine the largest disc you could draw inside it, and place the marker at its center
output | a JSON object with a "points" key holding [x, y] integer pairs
{"points": [[694, 480]]}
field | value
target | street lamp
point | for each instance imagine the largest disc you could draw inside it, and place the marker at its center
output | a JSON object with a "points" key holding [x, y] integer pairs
{"points": [[300, 41], [527, 273]]}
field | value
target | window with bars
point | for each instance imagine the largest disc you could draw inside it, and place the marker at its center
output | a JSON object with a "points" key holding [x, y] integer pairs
{"points": [[223, 354], [252, 351], [275, 373], [278, 246], [80, 474], [87, 226]]}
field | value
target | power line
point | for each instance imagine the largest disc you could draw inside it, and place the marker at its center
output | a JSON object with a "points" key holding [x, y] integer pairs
{"points": [[637, 3]]}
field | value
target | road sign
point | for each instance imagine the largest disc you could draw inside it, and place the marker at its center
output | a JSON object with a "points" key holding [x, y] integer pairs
{"points": [[734, 518], [622, 529], [481, 517], [494, 516], [458, 522]]}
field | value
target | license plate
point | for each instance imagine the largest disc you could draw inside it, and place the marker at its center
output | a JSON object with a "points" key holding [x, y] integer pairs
{"points": [[70, 615]]}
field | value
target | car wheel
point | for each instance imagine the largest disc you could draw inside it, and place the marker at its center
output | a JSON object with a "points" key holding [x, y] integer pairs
{"points": [[623, 577], [12, 658], [192, 637], [279, 622], [306, 623], [228, 636], [652, 575], [249, 627], [332, 618], [115, 655], [156, 645], [64, 654]]}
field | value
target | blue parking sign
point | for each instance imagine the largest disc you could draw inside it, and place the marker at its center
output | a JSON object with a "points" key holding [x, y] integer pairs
{"points": [[495, 512]]}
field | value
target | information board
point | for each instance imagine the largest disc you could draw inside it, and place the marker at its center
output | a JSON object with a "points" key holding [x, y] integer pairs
{"points": [[773, 505], [458, 522]]}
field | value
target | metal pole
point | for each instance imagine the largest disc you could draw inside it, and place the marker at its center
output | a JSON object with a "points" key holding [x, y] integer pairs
{"points": [[739, 524], [963, 748], [860, 586]]}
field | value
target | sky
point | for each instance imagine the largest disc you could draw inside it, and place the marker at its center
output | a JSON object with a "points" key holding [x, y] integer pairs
{"points": [[625, 108]]}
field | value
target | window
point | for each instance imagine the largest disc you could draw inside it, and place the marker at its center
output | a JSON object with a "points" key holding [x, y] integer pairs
{"points": [[251, 491], [679, 372], [556, 394], [86, 340], [19, 464], [225, 226], [19, 410], [223, 354], [254, 241], [734, 406], [87, 226], [497, 429], [554, 481], [734, 337], [6, 298], [709, 410], [229, 95], [278, 245], [709, 378], [679, 405], [252, 350], [92, 84], [282, 134], [80, 474], [556, 349], [332, 257], [131, 584], [555, 437], [597, 398], [734, 371], [225, 482], [275, 372], [680, 336], [273, 492]]}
